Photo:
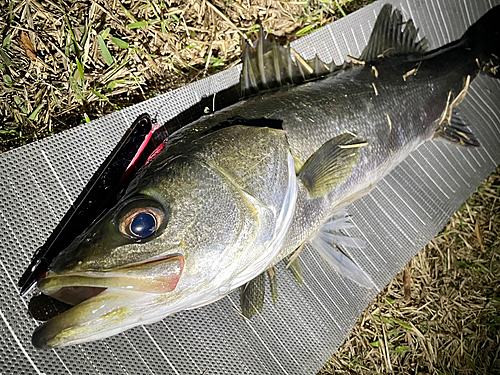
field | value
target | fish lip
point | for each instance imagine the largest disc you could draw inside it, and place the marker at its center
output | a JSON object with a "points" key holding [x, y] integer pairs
{"points": [[38, 340], [71, 328], [83, 289], [130, 274], [104, 308]]}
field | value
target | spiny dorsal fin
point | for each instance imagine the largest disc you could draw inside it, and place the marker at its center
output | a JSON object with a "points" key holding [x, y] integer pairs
{"points": [[388, 39], [267, 65], [330, 165], [457, 132]]}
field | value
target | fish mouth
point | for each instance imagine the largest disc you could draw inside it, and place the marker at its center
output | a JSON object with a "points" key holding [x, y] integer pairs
{"points": [[105, 302]]}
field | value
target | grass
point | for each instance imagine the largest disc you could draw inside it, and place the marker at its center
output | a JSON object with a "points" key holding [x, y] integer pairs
{"points": [[82, 60], [65, 63]]}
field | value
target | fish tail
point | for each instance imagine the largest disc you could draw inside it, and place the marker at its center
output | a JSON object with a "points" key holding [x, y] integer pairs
{"points": [[483, 39]]}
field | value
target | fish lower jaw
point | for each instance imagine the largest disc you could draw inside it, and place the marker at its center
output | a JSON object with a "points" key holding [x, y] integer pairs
{"points": [[108, 313]]}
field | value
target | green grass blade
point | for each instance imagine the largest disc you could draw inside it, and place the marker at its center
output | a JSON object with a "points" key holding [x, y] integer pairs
{"points": [[306, 30], [105, 51], [5, 58], [120, 43], [80, 69], [136, 25], [340, 9], [105, 33], [35, 112], [6, 40]]}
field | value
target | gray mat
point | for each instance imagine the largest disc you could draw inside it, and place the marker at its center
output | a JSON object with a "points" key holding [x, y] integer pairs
{"points": [[38, 182]]}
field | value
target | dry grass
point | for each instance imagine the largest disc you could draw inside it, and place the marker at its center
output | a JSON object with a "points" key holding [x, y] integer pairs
{"points": [[66, 62], [80, 60]]}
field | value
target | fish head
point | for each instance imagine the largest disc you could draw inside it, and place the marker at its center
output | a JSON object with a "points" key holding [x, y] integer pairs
{"points": [[185, 234]]}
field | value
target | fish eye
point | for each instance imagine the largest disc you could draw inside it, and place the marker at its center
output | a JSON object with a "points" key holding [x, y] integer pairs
{"points": [[141, 222], [143, 225]]}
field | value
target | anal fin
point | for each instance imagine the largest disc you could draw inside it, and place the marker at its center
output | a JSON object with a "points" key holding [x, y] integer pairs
{"points": [[326, 240]]}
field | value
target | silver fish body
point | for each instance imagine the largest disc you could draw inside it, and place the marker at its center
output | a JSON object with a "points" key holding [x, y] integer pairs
{"points": [[236, 191]]}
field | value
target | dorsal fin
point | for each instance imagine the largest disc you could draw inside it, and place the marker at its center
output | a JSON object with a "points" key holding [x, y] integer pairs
{"points": [[268, 65], [389, 39]]}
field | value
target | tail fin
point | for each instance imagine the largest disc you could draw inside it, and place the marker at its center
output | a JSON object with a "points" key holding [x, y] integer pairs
{"points": [[483, 38]]}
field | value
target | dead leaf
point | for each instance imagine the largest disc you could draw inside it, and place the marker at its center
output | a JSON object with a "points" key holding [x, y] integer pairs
{"points": [[28, 47]]}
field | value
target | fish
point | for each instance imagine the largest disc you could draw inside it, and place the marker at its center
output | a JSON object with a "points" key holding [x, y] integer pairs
{"points": [[238, 190]]}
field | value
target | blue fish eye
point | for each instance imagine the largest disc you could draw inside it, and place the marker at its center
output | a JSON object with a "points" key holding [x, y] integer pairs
{"points": [[143, 225]]}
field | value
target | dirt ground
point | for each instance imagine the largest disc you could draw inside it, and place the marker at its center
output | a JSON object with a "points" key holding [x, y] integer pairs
{"points": [[63, 63]]}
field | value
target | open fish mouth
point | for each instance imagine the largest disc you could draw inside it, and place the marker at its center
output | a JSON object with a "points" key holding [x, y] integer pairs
{"points": [[105, 302]]}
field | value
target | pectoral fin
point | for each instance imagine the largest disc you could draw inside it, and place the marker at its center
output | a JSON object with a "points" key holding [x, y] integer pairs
{"points": [[253, 292], [325, 241], [330, 165]]}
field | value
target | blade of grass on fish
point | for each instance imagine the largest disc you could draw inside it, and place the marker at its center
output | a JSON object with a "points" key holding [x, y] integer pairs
{"points": [[105, 51]]}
